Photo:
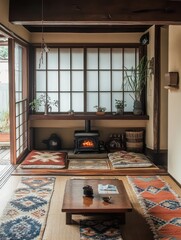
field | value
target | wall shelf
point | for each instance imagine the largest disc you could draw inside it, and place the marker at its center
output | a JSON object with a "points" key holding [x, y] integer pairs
{"points": [[77, 116]]}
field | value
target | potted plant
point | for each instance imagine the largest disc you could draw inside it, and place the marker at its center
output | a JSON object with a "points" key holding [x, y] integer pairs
{"points": [[135, 81], [120, 104], [100, 110], [71, 112], [45, 101]]}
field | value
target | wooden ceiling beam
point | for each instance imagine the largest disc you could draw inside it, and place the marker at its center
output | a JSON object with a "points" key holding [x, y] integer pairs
{"points": [[76, 13], [95, 11]]}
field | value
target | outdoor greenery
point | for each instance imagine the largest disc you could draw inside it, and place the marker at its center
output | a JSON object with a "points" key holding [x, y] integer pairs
{"points": [[4, 122], [3, 52]]}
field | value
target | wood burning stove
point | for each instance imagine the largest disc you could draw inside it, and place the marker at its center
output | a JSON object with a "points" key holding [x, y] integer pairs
{"points": [[86, 140]]}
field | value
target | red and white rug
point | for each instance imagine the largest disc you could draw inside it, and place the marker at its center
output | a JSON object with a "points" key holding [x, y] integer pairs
{"points": [[161, 205], [45, 159]]}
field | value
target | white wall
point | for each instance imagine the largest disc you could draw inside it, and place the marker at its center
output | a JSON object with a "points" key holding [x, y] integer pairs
{"points": [[174, 108], [86, 37]]}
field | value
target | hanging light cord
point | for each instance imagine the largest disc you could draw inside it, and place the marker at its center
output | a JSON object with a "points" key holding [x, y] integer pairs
{"points": [[44, 47]]}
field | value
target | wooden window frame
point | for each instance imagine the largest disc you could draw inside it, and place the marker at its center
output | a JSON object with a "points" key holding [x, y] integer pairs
{"points": [[84, 47]]}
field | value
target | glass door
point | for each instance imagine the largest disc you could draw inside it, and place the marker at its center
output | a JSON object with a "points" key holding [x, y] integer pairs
{"points": [[4, 100]]}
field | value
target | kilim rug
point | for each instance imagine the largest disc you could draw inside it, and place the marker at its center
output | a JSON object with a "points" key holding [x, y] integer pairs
{"points": [[123, 159], [100, 230], [25, 215], [161, 205], [77, 164], [44, 159]]}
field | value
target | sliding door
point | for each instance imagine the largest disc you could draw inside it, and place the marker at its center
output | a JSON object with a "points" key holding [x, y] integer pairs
{"points": [[18, 100]]}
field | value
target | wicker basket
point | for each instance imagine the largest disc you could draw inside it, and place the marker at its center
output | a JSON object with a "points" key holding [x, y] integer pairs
{"points": [[134, 141]]}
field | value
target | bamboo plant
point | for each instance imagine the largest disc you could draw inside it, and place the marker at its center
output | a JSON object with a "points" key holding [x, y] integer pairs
{"points": [[136, 78], [135, 81]]}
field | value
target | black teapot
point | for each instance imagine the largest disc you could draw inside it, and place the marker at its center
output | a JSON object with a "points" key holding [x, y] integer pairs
{"points": [[88, 191], [53, 143]]}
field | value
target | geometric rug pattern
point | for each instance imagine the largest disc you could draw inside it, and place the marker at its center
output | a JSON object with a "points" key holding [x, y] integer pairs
{"points": [[100, 229], [26, 213], [161, 205], [77, 164], [124, 159], [45, 159]]}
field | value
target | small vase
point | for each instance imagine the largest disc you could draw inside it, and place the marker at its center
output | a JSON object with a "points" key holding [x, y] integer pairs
{"points": [[46, 109], [137, 109], [119, 111]]}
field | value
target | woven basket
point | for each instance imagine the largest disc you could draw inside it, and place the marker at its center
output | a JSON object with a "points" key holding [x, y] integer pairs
{"points": [[134, 141]]}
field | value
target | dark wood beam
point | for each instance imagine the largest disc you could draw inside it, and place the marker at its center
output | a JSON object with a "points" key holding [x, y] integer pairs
{"points": [[156, 107], [97, 12], [89, 29]]}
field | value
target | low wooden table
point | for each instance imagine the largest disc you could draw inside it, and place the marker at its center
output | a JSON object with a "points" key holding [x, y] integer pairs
{"points": [[75, 202]]}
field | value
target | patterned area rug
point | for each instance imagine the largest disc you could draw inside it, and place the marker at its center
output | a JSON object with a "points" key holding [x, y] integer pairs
{"points": [[45, 159], [162, 207], [100, 230], [123, 159], [25, 215], [98, 164]]}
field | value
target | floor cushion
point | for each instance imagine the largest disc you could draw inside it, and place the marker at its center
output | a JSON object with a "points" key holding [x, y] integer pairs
{"points": [[98, 164], [124, 159], [45, 159]]}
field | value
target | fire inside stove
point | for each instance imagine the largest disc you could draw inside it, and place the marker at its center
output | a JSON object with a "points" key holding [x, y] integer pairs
{"points": [[88, 143], [86, 140]]}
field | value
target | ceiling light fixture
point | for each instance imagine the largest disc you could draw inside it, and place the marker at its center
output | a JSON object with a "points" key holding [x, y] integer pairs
{"points": [[44, 47]]}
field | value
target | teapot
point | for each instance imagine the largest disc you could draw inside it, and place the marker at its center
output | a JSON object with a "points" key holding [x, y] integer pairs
{"points": [[88, 191]]}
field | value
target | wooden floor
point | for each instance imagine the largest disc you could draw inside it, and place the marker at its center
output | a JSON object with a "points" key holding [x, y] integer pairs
{"points": [[6, 168], [4, 155], [110, 172], [56, 229]]}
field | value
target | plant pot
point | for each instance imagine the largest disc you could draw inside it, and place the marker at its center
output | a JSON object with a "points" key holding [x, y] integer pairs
{"points": [[46, 109], [137, 108], [119, 111], [100, 113]]}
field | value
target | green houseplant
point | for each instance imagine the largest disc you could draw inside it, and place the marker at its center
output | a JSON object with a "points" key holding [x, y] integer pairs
{"points": [[120, 104], [135, 81], [45, 101], [100, 110]]}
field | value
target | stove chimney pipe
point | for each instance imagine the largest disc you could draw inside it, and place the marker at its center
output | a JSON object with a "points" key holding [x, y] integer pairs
{"points": [[87, 126]]}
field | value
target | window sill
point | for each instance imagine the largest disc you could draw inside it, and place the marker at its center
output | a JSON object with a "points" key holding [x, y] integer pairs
{"points": [[86, 116]]}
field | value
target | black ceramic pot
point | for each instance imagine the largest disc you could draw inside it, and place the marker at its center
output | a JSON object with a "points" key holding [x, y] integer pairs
{"points": [[88, 191]]}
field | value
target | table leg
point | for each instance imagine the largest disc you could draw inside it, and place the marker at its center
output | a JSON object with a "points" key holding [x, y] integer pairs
{"points": [[68, 218], [122, 218]]}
